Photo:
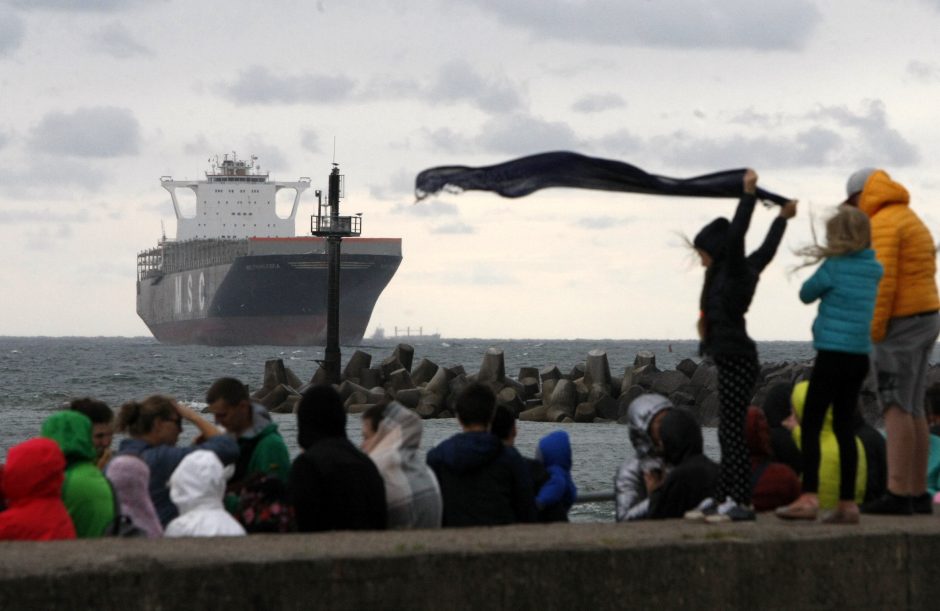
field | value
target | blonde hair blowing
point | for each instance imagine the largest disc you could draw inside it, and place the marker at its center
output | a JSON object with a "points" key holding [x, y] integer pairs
{"points": [[847, 231]]}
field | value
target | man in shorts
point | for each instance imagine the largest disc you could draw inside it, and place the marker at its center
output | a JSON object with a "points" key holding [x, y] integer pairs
{"points": [[904, 330]]}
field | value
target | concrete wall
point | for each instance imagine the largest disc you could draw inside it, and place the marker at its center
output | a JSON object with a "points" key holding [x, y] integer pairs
{"points": [[882, 564]]}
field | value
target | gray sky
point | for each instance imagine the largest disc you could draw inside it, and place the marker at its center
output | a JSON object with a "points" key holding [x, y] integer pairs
{"points": [[102, 97]]}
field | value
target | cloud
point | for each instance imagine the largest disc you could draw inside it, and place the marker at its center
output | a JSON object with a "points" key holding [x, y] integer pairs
{"points": [[828, 135], [91, 6], [400, 184], [310, 141], [32, 182], [268, 155], [520, 134], [12, 31], [23, 215], [455, 228], [446, 140], [4, 139], [199, 146], [926, 72], [426, 209], [598, 102], [458, 81], [703, 23], [258, 85], [115, 40], [103, 131]]}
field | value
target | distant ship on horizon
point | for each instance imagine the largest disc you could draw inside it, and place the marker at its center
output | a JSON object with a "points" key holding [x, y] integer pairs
{"points": [[236, 273], [379, 334]]}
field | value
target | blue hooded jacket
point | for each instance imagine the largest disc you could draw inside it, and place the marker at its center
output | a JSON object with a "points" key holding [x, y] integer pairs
{"points": [[559, 491]]}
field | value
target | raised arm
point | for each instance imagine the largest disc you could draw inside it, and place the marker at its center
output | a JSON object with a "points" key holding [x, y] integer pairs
{"points": [[761, 257]]}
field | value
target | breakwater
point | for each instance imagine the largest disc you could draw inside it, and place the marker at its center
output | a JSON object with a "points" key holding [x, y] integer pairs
{"points": [[591, 391], [884, 563]]}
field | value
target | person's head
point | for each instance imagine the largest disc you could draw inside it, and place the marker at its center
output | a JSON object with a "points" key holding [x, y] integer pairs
{"points": [[102, 421], [847, 231], [856, 184], [230, 403], [504, 425], [643, 422], [198, 481], [475, 405], [710, 241], [154, 420], [320, 414], [681, 436], [777, 406], [72, 431], [371, 420]]}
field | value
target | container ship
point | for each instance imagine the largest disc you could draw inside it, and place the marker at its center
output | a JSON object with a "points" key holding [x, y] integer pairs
{"points": [[236, 273]]}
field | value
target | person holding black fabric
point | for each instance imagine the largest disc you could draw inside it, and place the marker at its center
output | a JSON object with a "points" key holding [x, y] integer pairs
{"points": [[730, 282]]}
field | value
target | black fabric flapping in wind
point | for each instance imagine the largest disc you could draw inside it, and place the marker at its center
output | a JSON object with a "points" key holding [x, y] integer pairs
{"points": [[526, 175]]}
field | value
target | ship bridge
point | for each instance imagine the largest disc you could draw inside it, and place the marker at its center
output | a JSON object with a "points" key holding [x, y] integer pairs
{"points": [[235, 201]]}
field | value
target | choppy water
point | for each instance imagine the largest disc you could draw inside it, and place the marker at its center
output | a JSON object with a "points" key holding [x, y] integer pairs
{"points": [[38, 375]]}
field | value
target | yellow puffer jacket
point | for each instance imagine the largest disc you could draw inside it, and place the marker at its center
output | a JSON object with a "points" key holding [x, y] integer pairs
{"points": [[904, 247], [830, 474]]}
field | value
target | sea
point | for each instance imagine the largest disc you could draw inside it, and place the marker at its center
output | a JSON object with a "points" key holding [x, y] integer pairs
{"points": [[38, 375]]}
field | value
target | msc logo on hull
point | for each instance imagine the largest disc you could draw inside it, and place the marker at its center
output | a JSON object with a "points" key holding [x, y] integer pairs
{"points": [[200, 297]]}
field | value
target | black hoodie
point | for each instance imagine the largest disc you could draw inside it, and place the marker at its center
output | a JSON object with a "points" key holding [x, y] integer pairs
{"points": [[692, 477], [333, 485], [732, 278]]}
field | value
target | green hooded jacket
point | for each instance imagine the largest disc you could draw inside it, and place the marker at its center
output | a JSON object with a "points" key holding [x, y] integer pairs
{"points": [[87, 495]]}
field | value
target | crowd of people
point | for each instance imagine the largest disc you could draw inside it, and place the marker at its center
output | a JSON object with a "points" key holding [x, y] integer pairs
{"points": [[237, 477], [805, 448]]}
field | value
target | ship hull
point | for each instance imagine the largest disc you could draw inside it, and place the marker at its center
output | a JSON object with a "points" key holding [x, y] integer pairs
{"points": [[275, 294]]}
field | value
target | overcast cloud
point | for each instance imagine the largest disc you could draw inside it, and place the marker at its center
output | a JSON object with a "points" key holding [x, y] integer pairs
{"points": [[102, 98], [87, 132], [667, 23], [117, 41]]}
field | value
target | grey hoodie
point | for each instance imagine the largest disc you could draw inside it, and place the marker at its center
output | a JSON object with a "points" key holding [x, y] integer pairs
{"points": [[632, 498]]}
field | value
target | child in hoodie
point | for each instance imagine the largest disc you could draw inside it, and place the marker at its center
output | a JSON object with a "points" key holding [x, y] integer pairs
{"points": [[196, 488], [643, 417], [558, 494]]}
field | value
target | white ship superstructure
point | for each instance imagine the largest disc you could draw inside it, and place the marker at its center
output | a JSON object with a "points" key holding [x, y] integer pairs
{"points": [[235, 201]]}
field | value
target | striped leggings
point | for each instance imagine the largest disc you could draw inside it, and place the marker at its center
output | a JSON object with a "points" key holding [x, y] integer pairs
{"points": [[736, 377]]}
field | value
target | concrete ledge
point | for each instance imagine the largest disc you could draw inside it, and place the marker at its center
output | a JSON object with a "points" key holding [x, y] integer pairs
{"points": [[885, 563]]}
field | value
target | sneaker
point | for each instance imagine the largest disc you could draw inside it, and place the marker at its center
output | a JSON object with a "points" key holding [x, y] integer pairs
{"points": [[922, 503], [890, 504], [730, 511], [706, 508]]}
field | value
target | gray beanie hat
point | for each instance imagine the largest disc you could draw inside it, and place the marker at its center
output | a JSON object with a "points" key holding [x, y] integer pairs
{"points": [[857, 181]]}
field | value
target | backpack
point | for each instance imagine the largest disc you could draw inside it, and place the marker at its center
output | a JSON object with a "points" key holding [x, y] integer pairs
{"points": [[121, 525], [263, 505]]}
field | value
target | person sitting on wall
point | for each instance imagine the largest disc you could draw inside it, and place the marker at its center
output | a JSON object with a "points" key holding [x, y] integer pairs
{"points": [[261, 449], [932, 403], [87, 495], [332, 484], [774, 483], [483, 483], [197, 488], [691, 476], [781, 420], [558, 494], [392, 439], [504, 427], [154, 426], [32, 487], [644, 417]]}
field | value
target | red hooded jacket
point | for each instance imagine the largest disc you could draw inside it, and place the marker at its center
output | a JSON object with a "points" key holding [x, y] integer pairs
{"points": [[32, 486]]}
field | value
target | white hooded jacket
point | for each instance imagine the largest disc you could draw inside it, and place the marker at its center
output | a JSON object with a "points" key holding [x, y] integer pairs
{"points": [[196, 488], [631, 495]]}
